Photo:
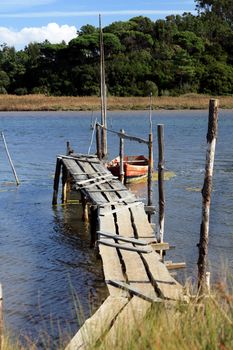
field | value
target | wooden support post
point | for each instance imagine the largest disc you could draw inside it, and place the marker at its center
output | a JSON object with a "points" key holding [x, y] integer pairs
{"points": [[10, 160], [206, 195], [94, 224], [98, 142], [85, 216], [64, 184], [68, 148], [150, 174], [121, 154], [56, 180], [1, 319], [160, 130]]}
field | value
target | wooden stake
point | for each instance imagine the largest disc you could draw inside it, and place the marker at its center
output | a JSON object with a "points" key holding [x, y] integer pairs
{"points": [[206, 194], [98, 142], [121, 153], [1, 319], [160, 130], [10, 160], [56, 180], [150, 174], [103, 94]]}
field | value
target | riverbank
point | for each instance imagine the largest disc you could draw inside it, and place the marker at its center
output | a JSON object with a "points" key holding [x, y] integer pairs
{"points": [[88, 103]]}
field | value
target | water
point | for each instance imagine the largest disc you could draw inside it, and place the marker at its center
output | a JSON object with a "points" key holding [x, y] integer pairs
{"points": [[45, 253]]}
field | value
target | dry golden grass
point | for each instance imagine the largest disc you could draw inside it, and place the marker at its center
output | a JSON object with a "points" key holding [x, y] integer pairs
{"points": [[85, 103]]}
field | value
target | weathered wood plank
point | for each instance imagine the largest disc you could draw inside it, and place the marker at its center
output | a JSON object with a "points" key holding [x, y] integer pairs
{"points": [[123, 239], [141, 222], [165, 284], [110, 259], [128, 320], [124, 246], [134, 291], [98, 324]]}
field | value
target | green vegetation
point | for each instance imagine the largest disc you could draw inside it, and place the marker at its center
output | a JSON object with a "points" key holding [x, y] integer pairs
{"points": [[170, 57]]}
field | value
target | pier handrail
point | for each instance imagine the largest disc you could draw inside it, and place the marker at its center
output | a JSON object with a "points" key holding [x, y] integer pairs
{"points": [[125, 136]]}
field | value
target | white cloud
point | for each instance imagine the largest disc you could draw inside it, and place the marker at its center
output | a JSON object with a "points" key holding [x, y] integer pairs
{"points": [[52, 32], [88, 13]]}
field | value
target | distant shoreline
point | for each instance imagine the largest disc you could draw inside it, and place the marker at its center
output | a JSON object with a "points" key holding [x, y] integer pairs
{"points": [[13, 103]]}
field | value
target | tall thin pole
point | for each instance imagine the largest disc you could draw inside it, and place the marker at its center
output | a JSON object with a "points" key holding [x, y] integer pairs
{"points": [[10, 160], [1, 319], [121, 153], [206, 194], [160, 131], [150, 174], [103, 93]]}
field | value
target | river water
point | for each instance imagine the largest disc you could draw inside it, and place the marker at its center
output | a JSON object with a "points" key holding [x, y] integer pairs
{"points": [[48, 271]]}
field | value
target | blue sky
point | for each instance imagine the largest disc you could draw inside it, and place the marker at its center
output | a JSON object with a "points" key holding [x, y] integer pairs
{"points": [[23, 21]]}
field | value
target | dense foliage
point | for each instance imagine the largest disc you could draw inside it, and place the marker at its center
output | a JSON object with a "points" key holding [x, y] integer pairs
{"points": [[180, 54]]}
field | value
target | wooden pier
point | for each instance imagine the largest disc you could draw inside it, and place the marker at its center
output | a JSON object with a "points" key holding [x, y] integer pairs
{"points": [[134, 271]]}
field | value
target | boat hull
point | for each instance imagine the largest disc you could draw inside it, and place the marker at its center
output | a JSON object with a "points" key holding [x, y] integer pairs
{"points": [[135, 167]]}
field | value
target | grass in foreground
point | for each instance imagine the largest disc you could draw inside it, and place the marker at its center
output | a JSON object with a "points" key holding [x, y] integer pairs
{"points": [[89, 103], [204, 324], [207, 324]]}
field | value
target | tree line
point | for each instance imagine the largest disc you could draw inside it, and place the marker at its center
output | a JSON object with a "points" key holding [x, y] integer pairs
{"points": [[173, 56]]}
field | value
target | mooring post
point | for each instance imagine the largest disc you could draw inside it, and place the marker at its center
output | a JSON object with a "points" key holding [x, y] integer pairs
{"points": [[56, 180], [1, 318], [98, 142], [68, 148], [150, 174], [206, 195], [121, 154], [10, 160], [160, 133]]}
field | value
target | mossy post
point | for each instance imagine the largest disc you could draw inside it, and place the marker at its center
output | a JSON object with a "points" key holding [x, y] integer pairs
{"points": [[206, 194], [121, 154], [160, 133]]}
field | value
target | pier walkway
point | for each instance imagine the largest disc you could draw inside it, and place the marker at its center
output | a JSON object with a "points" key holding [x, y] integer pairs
{"points": [[133, 269]]}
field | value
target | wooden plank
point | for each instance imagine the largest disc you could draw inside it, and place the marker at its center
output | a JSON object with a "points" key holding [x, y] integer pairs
{"points": [[160, 246], [175, 266], [94, 178], [110, 259], [141, 222], [109, 190], [165, 284], [123, 239], [134, 291], [124, 246], [99, 182], [97, 325], [129, 319], [123, 208]]}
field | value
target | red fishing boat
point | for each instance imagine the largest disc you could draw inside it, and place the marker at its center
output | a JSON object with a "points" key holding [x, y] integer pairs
{"points": [[135, 167]]}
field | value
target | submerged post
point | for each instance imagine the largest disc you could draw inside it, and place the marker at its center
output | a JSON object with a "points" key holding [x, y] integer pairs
{"points": [[150, 173], [10, 160], [206, 194], [56, 180], [121, 154], [1, 319], [160, 131]]}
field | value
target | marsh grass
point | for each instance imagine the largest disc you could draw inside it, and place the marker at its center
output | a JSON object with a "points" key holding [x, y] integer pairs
{"points": [[205, 323], [88, 103]]}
